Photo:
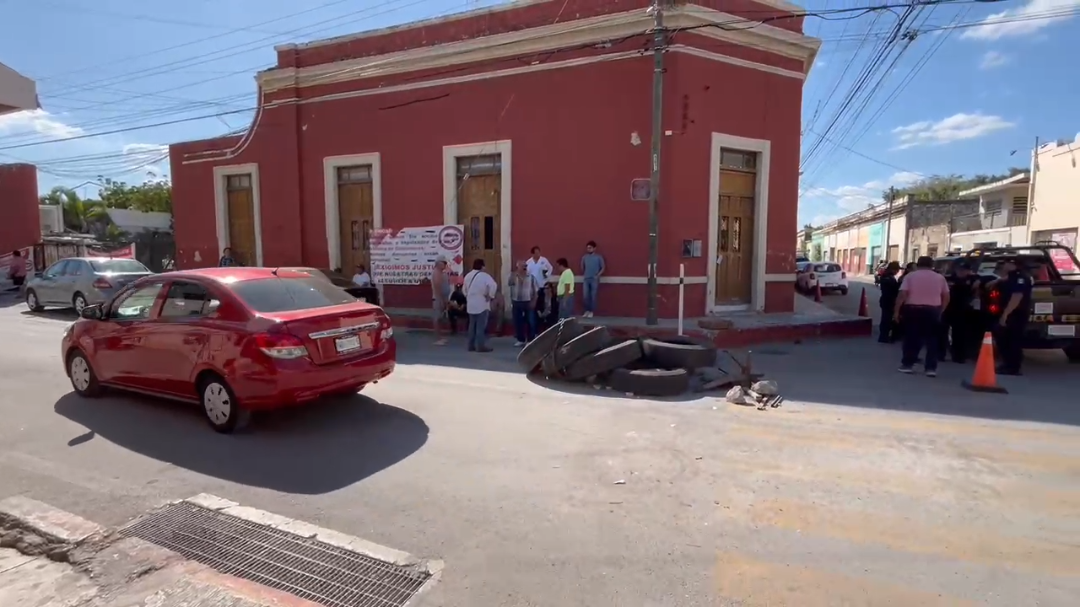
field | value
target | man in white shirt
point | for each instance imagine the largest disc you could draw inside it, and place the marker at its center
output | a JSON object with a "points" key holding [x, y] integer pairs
{"points": [[361, 278], [541, 270], [480, 289]]}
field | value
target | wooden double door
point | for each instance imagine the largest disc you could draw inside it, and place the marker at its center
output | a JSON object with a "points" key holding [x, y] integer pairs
{"points": [[356, 217], [479, 192], [735, 228]]}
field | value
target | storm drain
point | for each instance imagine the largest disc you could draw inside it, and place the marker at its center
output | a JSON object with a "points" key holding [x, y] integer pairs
{"points": [[305, 567]]}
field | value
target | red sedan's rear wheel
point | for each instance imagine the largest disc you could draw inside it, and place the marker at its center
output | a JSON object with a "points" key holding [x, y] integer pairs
{"points": [[82, 375], [219, 404]]}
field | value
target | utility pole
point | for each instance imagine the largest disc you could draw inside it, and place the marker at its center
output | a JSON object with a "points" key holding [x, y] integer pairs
{"points": [[1031, 191], [888, 222], [659, 46]]}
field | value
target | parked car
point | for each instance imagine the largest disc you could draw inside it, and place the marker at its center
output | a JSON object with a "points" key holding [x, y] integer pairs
{"points": [[830, 276], [77, 282], [802, 268], [234, 340]]}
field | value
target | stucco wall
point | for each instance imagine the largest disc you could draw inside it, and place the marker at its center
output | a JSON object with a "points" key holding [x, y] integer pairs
{"points": [[21, 226], [572, 166], [1057, 188]]}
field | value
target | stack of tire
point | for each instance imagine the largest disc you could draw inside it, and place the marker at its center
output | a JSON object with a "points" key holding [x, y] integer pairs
{"points": [[642, 367]]}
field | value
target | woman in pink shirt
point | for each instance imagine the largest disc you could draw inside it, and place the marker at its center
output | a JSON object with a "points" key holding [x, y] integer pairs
{"points": [[923, 296], [17, 268]]}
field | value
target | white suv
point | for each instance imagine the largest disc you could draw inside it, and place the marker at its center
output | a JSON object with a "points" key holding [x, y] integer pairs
{"points": [[830, 276]]}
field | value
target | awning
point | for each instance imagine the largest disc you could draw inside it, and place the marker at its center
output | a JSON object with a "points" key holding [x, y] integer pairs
{"points": [[17, 92]]}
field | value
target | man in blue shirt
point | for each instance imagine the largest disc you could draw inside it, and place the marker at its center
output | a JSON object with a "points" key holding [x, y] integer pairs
{"points": [[1015, 290], [592, 268]]}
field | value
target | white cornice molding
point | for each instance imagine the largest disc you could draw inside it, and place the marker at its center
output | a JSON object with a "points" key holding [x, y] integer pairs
{"points": [[581, 32]]}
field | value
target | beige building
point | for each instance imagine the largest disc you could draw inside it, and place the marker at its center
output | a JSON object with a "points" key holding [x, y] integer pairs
{"points": [[1001, 219], [1055, 214], [17, 92]]}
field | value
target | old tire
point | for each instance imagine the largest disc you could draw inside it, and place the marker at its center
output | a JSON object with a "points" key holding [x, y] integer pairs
{"points": [[549, 369], [650, 382], [608, 359], [679, 353], [590, 341], [545, 343]]}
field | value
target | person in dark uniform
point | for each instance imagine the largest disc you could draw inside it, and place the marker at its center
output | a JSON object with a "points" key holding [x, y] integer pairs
{"points": [[890, 290], [1015, 290], [898, 325], [960, 318]]}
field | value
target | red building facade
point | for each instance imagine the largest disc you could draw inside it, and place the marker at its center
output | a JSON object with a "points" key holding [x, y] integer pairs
{"points": [[527, 123]]}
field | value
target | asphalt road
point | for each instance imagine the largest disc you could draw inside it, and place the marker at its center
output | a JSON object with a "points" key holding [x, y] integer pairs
{"points": [[865, 488], [849, 304]]}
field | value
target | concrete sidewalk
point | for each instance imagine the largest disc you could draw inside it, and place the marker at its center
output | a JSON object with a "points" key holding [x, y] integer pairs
{"points": [[51, 558]]}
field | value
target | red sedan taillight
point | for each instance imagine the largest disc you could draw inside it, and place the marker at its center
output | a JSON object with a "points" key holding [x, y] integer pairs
{"points": [[280, 345], [386, 330]]}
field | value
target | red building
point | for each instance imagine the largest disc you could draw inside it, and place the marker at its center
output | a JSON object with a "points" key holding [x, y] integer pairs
{"points": [[546, 105]]}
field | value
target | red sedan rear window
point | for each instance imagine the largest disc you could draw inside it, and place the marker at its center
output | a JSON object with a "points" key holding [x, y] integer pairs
{"points": [[289, 294]]}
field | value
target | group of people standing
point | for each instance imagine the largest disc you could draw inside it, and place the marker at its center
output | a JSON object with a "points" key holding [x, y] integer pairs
{"points": [[944, 314], [540, 295]]}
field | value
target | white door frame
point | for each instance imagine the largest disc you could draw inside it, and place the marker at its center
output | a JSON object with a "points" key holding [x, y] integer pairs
{"points": [[761, 219], [330, 198], [450, 194], [221, 205]]}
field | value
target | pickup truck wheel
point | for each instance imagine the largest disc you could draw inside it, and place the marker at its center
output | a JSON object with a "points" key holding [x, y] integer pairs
{"points": [[843, 290], [1073, 353]]}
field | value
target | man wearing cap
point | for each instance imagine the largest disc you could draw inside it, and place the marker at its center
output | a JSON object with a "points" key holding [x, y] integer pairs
{"points": [[1015, 288], [960, 318], [441, 288]]}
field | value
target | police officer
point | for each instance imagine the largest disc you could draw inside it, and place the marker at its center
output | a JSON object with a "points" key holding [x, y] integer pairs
{"points": [[960, 318], [1015, 288]]}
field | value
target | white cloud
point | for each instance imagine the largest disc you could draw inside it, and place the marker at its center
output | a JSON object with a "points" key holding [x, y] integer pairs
{"points": [[37, 121], [992, 59], [849, 199], [957, 127], [1028, 19], [149, 149]]}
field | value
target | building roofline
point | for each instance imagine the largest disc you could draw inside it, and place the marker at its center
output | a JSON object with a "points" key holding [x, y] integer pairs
{"points": [[781, 5], [1017, 179]]}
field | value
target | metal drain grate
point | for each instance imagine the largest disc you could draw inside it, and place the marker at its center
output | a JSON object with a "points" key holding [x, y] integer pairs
{"points": [[304, 567]]}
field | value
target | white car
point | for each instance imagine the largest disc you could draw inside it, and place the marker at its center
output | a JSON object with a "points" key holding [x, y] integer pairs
{"points": [[829, 275]]}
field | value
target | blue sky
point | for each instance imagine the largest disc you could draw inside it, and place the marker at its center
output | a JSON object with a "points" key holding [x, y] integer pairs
{"points": [[956, 101]]}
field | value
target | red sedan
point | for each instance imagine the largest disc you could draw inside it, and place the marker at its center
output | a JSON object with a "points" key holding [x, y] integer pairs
{"points": [[234, 340]]}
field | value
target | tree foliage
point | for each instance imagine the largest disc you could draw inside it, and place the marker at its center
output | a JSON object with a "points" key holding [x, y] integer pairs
{"points": [[947, 187], [152, 196], [90, 216]]}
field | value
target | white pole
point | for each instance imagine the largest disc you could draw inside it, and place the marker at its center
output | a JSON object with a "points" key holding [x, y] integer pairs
{"points": [[682, 279]]}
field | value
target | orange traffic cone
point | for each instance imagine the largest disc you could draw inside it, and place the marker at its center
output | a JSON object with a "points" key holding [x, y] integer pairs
{"points": [[985, 378], [817, 292], [863, 311]]}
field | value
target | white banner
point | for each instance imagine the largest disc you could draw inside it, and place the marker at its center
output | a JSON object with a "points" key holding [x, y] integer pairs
{"points": [[407, 256]]}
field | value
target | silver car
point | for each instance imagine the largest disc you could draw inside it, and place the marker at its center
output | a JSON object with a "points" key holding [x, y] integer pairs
{"points": [[77, 282]]}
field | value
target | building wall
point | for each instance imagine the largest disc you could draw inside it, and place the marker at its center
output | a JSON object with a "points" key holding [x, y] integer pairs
{"points": [[1002, 237], [572, 164], [930, 226], [1057, 188], [19, 205]]}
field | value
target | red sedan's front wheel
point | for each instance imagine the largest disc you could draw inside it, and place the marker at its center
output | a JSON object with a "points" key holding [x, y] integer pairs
{"points": [[219, 404], [82, 375]]}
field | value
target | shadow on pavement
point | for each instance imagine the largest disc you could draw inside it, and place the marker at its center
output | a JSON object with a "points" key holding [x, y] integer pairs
{"points": [[863, 373], [309, 450], [416, 348], [584, 389]]}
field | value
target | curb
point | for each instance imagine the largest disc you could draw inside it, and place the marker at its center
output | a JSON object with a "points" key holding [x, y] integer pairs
{"points": [[25, 514], [432, 567]]}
